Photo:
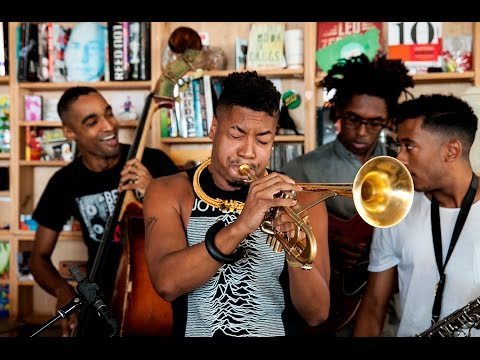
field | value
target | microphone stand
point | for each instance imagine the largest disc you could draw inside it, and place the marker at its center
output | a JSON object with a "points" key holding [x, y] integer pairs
{"points": [[89, 294], [62, 313]]}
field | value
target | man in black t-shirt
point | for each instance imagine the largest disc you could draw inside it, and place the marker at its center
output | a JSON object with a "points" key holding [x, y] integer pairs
{"points": [[88, 187]]}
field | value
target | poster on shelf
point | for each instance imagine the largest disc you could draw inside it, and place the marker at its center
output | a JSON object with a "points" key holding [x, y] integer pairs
{"points": [[344, 39], [265, 47], [418, 44]]}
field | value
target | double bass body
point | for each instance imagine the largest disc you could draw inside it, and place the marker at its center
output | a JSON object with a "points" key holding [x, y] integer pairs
{"points": [[138, 308]]}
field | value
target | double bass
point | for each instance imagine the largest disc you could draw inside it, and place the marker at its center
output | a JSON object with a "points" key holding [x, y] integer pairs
{"points": [[119, 268]]}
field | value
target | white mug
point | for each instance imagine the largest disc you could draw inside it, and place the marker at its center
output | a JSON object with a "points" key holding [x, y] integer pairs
{"points": [[294, 48]]}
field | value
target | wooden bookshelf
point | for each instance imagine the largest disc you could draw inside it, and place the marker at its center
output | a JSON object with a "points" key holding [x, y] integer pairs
{"points": [[25, 174]]}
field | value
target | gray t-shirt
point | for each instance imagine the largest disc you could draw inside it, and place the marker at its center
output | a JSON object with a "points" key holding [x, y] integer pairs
{"points": [[330, 163]]}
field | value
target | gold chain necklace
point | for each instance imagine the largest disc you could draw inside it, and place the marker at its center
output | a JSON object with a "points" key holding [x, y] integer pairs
{"points": [[224, 205]]}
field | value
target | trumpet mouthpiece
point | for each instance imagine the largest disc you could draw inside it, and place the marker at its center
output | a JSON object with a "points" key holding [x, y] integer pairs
{"points": [[244, 170]]}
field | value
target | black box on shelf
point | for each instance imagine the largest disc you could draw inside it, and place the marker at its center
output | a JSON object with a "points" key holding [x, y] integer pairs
{"points": [[4, 178]]}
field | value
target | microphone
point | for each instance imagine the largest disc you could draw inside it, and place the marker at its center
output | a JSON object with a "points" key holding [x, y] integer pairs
{"points": [[89, 291]]}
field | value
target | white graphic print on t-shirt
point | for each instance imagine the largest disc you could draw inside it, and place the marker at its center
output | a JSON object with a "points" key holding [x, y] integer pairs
{"points": [[95, 211]]}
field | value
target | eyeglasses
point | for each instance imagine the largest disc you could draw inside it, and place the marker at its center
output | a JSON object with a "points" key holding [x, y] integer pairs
{"points": [[353, 121]]}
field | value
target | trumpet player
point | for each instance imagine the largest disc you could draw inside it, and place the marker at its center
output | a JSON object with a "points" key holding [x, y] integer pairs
{"points": [[204, 248], [433, 255]]}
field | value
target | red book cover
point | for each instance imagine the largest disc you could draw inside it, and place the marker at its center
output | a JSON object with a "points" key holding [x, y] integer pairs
{"points": [[330, 32]]}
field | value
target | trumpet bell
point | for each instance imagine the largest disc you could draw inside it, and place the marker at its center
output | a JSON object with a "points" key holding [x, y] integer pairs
{"points": [[383, 191]]}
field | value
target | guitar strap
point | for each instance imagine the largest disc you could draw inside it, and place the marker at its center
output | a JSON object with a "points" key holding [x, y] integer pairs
{"points": [[437, 241]]}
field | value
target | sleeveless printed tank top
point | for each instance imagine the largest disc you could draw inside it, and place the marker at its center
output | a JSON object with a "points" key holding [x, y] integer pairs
{"points": [[242, 299]]}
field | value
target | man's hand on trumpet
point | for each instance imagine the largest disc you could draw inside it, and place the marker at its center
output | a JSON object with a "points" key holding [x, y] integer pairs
{"points": [[284, 223], [262, 196]]}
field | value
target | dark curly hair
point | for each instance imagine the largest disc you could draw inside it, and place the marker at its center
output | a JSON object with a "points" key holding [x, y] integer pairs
{"points": [[383, 78], [250, 90], [69, 96], [445, 114]]}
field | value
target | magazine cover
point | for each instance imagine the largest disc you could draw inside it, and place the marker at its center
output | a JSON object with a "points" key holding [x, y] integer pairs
{"points": [[85, 52]]}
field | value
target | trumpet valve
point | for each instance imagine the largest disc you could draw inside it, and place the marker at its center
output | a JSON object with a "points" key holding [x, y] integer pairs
{"points": [[289, 194], [274, 244]]}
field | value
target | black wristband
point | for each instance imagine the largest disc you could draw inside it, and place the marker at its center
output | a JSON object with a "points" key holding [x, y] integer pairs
{"points": [[213, 250]]}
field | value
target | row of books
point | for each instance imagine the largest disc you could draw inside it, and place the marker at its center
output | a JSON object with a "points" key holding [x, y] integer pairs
{"points": [[88, 51], [283, 153], [38, 107], [193, 111], [44, 108], [128, 51]]}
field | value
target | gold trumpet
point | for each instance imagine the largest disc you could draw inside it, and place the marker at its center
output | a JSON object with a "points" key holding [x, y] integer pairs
{"points": [[382, 192]]}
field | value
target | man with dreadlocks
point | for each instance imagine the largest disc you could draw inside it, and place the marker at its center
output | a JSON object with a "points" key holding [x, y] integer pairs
{"points": [[366, 94]]}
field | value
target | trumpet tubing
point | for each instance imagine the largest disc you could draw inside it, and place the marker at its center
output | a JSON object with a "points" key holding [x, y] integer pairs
{"points": [[382, 193], [340, 189]]}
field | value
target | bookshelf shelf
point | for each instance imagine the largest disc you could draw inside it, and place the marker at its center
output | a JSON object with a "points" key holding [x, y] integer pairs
{"points": [[103, 85], [26, 235], [26, 282], [429, 77], [42, 163], [289, 138], [4, 234], [128, 123], [54, 124], [181, 140], [4, 156], [267, 72], [41, 123], [4, 80], [444, 76], [4, 193]]}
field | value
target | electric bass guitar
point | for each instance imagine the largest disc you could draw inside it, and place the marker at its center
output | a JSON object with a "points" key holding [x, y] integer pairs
{"points": [[347, 283]]}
